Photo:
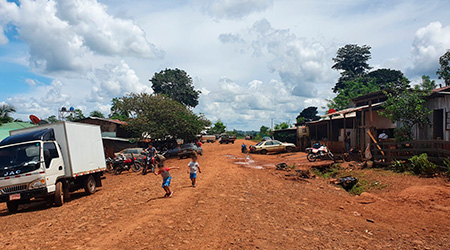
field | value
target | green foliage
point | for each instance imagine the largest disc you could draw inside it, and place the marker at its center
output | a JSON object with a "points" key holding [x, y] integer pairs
{"points": [[117, 113], [264, 130], [97, 113], [332, 171], [387, 78], [308, 114], [176, 84], [427, 84], [407, 108], [399, 166], [159, 116], [420, 165], [282, 125], [350, 90], [446, 169], [5, 112], [52, 119], [444, 71], [351, 60], [78, 115], [218, 128], [365, 186]]}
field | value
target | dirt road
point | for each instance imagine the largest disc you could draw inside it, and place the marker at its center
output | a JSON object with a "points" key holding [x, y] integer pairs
{"points": [[238, 206]]}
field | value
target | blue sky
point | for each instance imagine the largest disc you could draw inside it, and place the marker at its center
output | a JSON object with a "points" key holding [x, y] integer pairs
{"points": [[253, 60]]}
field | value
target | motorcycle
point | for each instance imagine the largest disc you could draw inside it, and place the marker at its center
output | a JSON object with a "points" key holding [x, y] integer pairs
{"points": [[151, 162], [119, 165], [319, 152]]}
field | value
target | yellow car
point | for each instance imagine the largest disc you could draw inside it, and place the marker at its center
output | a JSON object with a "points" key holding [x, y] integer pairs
{"points": [[272, 146]]}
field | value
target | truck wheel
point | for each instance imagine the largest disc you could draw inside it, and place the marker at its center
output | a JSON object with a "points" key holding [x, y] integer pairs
{"points": [[66, 193], [232, 142], [90, 185], [59, 194], [263, 151], [13, 206]]}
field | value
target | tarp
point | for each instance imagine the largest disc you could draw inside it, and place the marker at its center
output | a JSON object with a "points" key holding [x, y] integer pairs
{"points": [[6, 127]]}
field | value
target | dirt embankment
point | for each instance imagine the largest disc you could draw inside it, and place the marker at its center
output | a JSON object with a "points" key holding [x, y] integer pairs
{"points": [[238, 206]]}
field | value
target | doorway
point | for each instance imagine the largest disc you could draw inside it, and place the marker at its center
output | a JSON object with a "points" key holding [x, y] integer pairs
{"points": [[438, 124]]}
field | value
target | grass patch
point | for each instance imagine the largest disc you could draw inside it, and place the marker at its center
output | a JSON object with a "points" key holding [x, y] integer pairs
{"points": [[329, 172], [365, 186]]}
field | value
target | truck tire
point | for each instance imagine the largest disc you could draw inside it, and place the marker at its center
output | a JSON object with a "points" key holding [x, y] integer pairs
{"points": [[89, 185], [13, 206], [59, 194], [66, 193]]}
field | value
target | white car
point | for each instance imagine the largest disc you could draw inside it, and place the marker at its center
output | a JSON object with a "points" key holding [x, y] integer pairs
{"points": [[274, 146]]}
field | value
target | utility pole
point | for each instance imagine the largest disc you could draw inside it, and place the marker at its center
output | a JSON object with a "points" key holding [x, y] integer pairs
{"points": [[271, 126]]}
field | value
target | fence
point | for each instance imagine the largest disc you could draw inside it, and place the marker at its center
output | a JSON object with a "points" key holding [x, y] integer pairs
{"points": [[436, 150]]}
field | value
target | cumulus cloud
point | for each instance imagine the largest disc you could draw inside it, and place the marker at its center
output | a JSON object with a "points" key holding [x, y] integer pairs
{"points": [[235, 9], [62, 34], [115, 80], [299, 62], [44, 105], [430, 42], [247, 105]]}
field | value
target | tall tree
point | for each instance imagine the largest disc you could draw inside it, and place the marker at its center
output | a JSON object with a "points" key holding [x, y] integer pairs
{"points": [[387, 78], [308, 114], [5, 113], [351, 60], [352, 89], [159, 116], [97, 114], [264, 130], [444, 71], [176, 84], [427, 84], [218, 128]]}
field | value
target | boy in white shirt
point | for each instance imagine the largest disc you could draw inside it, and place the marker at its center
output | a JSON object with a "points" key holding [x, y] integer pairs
{"points": [[193, 168]]}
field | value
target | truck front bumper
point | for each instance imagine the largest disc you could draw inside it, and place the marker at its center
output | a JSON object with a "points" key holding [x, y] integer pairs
{"points": [[26, 194]]}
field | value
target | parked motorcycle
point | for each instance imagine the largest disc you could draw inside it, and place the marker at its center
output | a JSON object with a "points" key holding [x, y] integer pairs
{"points": [[119, 165], [150, 163], [319, 152]]}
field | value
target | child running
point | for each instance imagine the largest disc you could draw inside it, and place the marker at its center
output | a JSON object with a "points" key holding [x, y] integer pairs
{"points": [[164, 172], [193, 167]]}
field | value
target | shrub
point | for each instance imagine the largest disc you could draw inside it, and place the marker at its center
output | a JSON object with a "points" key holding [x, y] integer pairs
{"points": [[422, 166]]}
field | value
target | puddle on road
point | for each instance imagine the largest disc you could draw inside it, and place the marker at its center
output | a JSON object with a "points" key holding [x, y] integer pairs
{"points": [[247, 162]]}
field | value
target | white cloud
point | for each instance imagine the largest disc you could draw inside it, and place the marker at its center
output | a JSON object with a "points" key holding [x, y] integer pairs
{"points": [[430, 42], [235, 9], [30, 82], [63, 34], [115, 80], [299, 62]]}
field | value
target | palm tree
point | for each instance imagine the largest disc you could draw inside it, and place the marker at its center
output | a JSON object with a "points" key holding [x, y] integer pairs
{"points": [[5, 111]]}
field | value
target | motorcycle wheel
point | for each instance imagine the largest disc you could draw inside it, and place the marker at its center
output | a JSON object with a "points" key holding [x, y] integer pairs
{"points": [[144, 169], [311, 157], [136, 167], [331, 156], [109, 167], [118, 170]]}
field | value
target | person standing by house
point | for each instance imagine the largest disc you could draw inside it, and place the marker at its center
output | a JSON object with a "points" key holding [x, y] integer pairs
{"points": [[347, 142]]}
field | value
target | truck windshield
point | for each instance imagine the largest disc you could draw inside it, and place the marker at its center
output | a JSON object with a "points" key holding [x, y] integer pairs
{"points": [[19, 159]]}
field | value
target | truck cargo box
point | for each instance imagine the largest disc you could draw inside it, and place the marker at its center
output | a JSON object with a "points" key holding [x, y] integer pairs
{"points": [[81, 146]]}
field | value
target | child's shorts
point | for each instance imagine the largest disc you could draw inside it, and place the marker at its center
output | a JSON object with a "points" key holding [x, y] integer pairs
{"points": [[166, 182], [192, 175]]}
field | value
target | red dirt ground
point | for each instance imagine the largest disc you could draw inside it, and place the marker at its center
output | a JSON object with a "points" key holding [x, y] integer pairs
{"points": [[238, 206]]}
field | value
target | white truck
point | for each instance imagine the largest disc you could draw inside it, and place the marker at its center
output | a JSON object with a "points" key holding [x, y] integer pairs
{"points": [[50, 161]]}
